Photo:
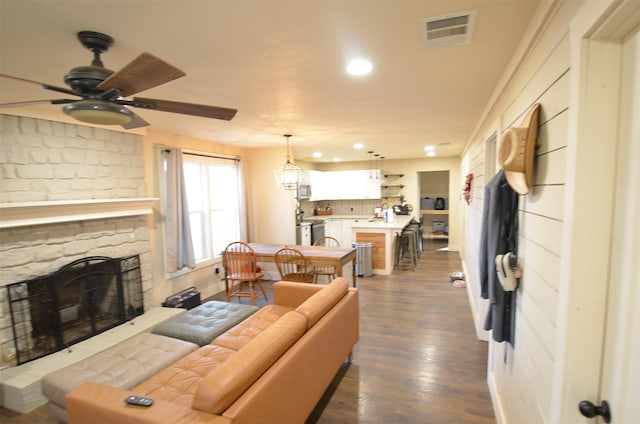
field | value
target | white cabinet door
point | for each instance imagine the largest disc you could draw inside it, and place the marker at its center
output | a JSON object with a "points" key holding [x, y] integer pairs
{"points": [[319, 186], [345, 185], [333, 228], [347, 232], [373, 190]]}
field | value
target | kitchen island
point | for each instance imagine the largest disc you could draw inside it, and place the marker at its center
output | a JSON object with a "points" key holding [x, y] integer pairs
{"points": [[383, 236]]}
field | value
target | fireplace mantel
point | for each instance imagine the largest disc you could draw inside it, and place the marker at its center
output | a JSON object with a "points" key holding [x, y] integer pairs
{"points": [[20, 214]]}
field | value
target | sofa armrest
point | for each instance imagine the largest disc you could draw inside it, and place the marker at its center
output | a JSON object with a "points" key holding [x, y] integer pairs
{"points": [[97, 403], [292, 294]]}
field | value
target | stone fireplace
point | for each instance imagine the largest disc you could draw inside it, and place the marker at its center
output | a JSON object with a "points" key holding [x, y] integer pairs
{"points": [[82, 299]]}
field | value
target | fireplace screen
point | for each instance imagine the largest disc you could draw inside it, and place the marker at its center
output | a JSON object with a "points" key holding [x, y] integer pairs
{"points": [[81, 299]]}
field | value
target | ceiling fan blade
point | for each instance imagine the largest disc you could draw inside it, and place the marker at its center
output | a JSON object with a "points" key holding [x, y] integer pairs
{"points": [[42, 84], [204, 111], [144, 72], [36, 102], [136, 122]]}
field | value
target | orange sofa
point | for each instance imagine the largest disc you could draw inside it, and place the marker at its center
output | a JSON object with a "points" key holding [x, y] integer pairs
{"points": [[271, 368]]}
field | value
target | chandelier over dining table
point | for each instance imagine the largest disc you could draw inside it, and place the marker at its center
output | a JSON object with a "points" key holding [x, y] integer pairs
{"points": [[288, 176]]}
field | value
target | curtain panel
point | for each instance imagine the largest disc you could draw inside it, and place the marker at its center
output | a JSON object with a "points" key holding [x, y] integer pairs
{"points": [[177, 228]]}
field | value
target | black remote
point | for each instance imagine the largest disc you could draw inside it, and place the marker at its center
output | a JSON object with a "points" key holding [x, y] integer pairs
{"points": [[139, 400]]}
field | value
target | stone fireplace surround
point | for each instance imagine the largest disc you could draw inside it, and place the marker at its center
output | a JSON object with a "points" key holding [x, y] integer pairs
{"points": [[67, 192], [31, 250]]}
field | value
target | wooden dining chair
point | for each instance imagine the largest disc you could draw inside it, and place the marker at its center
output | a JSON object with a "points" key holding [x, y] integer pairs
{"points": [[241, 269], [328, 270], [293, 265]]}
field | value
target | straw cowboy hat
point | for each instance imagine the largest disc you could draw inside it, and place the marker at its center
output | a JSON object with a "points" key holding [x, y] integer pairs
{"points": [[517, 150]]}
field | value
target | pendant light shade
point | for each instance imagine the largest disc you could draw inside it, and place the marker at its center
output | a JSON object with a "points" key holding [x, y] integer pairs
{"points": [[98, 112], [289, 175]]}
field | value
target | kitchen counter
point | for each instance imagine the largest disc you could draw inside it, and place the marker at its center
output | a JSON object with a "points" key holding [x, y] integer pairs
{"points": [[383, 237], [399, 222], [315, 218]]}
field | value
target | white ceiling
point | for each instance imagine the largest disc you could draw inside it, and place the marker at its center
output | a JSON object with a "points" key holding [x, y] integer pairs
{"points": [[281, 64]]}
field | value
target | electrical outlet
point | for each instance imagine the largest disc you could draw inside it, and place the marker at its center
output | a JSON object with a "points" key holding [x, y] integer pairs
{"points": [[217, 270]]}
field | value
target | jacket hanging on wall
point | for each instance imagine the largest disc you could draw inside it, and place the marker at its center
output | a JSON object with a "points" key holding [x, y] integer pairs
{"points": [[499, 235]]}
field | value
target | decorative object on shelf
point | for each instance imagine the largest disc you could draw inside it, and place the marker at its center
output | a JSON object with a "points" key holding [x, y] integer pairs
{"points": [[517, 152], [466, 190], [289, 175]]}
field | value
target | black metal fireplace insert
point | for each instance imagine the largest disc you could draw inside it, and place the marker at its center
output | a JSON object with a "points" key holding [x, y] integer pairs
{"points": [[83, 298]]}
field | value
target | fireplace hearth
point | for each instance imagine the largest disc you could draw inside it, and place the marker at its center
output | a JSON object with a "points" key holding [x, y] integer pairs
{"points": [[83, 298]]}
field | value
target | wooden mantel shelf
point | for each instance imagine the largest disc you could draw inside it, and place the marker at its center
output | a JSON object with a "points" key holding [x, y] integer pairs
{"points": [[20, 214]]}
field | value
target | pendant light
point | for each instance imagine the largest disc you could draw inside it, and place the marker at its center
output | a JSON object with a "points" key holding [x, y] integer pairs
{"points": [[289, 175]]}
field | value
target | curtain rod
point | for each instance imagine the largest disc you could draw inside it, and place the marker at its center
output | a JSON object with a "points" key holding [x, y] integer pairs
{"points": [[204, 155]]}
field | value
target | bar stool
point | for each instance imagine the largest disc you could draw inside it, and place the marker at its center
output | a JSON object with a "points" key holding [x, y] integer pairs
{"points": [[415, 227], [406, 245]]}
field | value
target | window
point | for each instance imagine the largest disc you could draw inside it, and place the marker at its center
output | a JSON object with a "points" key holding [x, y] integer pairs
{"points": [[214, 198]]}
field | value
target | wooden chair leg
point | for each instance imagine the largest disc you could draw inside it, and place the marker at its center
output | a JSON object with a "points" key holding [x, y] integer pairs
{"points": [[264, 293]]}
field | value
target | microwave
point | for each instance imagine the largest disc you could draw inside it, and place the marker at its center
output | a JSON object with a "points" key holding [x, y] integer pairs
{"points": [[304, 191]]}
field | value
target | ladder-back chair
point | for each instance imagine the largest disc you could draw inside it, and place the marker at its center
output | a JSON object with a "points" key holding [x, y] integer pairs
{"points": [[329, 271], [241, 268], [293, 265]]}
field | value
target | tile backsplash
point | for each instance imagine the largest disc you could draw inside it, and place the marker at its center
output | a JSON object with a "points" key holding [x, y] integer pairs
{"points": [[342, 207]]}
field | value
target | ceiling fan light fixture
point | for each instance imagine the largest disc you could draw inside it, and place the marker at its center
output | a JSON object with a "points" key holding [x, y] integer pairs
{"points": [[288, 176], [98, 112]]}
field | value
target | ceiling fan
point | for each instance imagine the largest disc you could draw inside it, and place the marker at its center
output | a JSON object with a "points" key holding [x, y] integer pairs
{"points": [[102, 91]]}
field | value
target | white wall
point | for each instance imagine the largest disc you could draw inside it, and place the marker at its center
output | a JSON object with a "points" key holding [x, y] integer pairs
{"points": [[536, 380]]}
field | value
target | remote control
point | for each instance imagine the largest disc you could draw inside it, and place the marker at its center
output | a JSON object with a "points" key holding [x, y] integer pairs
{"points": [[139, 400]]}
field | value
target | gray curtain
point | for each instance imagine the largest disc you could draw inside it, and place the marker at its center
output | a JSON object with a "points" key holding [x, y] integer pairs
{"points": [[177, 229]]}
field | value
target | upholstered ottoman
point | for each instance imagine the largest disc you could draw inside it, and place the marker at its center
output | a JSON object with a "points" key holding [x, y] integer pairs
{"points": [[124, 365], [204, 323]]}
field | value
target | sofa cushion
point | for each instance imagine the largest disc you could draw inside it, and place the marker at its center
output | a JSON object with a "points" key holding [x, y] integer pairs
{"points": [[178, 382], [203, 323], [224, 384], [317, 305], [238, 336], [124, 365]]}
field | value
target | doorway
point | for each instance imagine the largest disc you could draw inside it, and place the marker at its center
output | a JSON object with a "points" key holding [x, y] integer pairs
{"points": [[434, 209]]}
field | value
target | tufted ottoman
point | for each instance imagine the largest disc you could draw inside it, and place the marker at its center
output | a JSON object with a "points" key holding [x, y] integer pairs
{"points": [[204, 323], [124, 365]]}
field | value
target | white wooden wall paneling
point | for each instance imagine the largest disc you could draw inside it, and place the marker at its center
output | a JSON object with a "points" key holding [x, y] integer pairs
{"points": [[540, 291]]}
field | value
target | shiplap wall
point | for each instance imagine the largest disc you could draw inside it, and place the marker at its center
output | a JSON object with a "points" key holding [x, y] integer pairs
{"points": [[521, 377]]}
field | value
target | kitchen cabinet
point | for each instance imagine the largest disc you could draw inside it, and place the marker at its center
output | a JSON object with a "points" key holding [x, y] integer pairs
{"points": [[347, 235], [345, 185], [333, 228]]}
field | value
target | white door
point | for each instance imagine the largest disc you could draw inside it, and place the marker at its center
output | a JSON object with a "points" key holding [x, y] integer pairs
{"points": [[621, 368]]}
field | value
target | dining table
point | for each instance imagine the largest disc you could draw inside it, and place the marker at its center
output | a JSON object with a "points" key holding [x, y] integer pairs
{"points": [[317, 255]]}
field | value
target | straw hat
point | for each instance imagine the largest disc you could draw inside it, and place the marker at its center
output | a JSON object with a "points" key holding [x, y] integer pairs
{"points": [[517, 150]]}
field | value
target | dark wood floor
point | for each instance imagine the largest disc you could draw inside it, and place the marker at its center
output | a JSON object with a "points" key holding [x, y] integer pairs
{"points": [[417, 361]]}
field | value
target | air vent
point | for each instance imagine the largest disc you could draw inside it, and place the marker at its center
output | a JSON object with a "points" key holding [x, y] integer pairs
{"points": [[447, 30]]}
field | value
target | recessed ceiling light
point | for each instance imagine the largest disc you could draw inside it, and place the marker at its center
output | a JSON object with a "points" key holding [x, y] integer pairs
{"points": [[431, 154], [317, 154], [358, 146], [429, 148], [359, 67], [337, 159]]}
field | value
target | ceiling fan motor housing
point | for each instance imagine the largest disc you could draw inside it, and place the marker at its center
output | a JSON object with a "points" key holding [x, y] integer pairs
{"points": [[85, 79]]}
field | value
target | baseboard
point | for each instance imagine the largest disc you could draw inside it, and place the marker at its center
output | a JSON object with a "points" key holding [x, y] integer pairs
{"points": [[498, 410]]}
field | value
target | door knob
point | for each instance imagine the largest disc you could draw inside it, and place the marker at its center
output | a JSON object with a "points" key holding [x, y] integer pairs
{"points": [[589, 410]]}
